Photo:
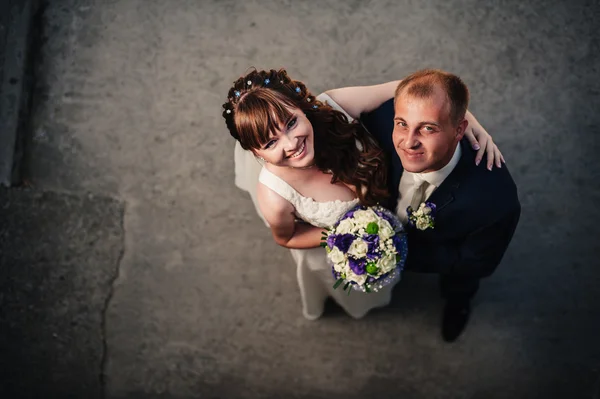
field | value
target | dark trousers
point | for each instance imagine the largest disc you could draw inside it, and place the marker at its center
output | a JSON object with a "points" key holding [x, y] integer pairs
{"points": [[458, 287]]}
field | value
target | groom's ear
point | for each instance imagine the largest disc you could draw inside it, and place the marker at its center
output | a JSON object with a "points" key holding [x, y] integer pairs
{"points": [[461, 128]]}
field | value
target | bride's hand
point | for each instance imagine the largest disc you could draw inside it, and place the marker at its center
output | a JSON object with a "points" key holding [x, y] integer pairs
{"points": [[482, 142]]}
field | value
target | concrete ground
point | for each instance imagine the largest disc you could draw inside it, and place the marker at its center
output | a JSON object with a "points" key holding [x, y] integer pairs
{"points": [[135, 269]]}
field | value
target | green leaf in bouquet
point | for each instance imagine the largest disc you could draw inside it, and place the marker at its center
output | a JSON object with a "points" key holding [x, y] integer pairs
{"points": [[338, 283], [372, 228], [346, 286], [398, 258], [367, 289], [372, 268], [323, 244]]}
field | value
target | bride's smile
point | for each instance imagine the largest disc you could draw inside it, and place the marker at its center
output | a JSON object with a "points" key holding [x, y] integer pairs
{"points": [[300, 152]]}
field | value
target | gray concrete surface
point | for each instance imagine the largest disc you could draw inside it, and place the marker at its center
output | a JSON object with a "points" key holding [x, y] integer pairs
{"points": [[59, 254], [206, 305]]}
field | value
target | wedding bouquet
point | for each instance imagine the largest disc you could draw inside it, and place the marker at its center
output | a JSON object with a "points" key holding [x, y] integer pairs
{"points": [[367, 249]]}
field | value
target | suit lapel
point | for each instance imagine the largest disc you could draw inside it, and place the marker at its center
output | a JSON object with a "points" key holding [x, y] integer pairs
{"points": [[442, 196], [445, 193]]}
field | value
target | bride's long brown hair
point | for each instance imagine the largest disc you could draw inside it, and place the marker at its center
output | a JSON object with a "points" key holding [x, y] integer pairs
{"points": [[257, 104]]}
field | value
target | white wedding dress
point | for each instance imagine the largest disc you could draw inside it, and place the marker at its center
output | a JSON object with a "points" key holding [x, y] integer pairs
{"points": [[314, 274]]}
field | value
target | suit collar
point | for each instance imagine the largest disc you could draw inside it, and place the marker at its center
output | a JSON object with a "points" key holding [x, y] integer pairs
{"points": [[444, 194]]}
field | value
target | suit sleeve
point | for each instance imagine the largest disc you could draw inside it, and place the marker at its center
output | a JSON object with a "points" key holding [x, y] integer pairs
{"points": [[483, 249], [380, 124]]}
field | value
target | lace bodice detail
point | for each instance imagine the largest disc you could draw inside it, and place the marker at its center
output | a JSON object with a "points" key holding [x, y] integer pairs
{"points": [[320, 214]]}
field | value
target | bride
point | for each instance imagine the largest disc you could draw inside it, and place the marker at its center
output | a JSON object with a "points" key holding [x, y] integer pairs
{"points": [[305, 163]]}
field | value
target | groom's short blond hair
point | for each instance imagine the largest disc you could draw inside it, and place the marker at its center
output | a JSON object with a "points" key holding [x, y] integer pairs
{"points": [[421, 84]]}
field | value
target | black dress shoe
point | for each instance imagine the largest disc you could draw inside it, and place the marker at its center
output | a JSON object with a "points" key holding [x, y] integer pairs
{"points": [[456, 316]]}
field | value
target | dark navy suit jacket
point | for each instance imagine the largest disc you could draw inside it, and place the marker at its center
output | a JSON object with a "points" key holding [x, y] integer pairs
{"points": [[477, 210]]}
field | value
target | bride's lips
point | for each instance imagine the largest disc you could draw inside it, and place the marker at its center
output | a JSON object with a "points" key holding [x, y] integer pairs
{"points": [[302, 149]]}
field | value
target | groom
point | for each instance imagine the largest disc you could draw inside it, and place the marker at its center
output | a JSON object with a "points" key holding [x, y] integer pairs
{"points": [[477, 210]]}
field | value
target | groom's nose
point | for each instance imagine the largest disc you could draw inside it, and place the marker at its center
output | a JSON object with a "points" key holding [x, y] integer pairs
{"points": [[410, 140]]}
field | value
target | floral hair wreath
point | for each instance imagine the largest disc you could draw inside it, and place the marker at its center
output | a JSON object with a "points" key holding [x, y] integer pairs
{"points": [[237, 94]]}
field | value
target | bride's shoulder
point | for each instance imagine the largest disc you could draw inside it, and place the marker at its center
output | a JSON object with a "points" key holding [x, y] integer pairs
{"points": [[272, 205]]}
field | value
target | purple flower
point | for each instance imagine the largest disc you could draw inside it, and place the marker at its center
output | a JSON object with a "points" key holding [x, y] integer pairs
{"points": [[349, 214], [343, 242], [357, 265], [382, 214], [372, 241], [331, 240]]}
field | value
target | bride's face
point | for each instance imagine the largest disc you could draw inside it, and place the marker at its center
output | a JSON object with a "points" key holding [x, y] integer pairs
{"points": [[291, 144]]}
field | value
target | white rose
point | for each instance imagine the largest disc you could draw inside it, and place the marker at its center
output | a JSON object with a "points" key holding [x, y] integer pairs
{"points": [[422, 224], [346, 226], [427, 210], [351, 276], [385, 229], [387, 263], [336, 255], [358, 248], [364, 217], [372, 215], [341, 267]]}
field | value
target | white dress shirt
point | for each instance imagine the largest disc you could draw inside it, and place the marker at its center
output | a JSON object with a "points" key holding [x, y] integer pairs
{"points": [[435, 179]]}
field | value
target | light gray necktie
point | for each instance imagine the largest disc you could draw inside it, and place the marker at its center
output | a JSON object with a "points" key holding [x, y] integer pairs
{"points": [[419, 194]]}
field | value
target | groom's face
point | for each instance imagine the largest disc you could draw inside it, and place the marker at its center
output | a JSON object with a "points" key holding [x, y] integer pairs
{"points": [[424, 136]]}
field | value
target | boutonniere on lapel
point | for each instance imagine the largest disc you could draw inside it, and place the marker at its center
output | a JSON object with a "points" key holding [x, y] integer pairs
{"points": [[423, 218]]}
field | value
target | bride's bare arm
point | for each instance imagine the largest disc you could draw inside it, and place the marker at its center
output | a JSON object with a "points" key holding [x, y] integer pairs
{"points": [[279, 213], [360, 99]]}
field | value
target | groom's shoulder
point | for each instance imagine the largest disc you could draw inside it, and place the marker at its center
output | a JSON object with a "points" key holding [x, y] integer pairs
{"points": [[495, 188], [495, 178]]}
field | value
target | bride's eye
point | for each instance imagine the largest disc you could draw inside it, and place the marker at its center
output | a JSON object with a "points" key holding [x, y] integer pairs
{"points": [[292, 123], [270, 144]]}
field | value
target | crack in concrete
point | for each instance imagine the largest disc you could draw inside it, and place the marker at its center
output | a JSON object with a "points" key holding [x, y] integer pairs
{"points": [[107, 301]]}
